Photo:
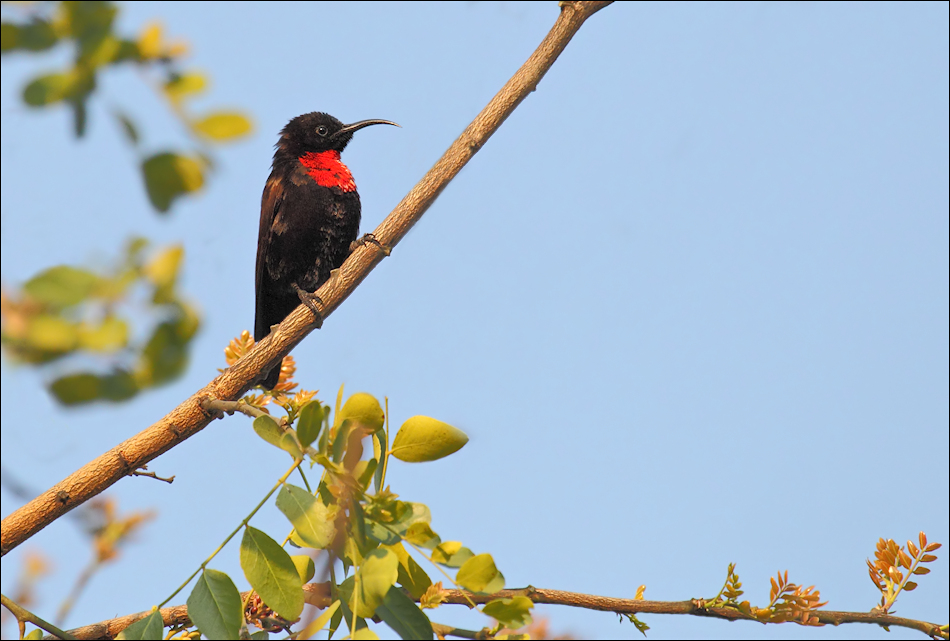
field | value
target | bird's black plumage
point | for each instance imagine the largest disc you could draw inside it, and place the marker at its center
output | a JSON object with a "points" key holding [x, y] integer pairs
{"points": [[310, 215]]}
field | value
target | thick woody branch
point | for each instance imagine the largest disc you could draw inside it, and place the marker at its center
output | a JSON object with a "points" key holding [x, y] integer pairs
{"points": [[190, 417], [318, 595]]}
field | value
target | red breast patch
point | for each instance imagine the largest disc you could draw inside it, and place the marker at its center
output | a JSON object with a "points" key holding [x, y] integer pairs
{"points": [[326, 168]]}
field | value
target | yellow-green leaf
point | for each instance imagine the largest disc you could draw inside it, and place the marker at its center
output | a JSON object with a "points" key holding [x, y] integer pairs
{"points": [[364, 409], [163, 269], [422, 438], [185, 85], [310, 422], [47, 89], [62, 286], [320, 622], [147, 628], [223, 126], [312, 520], [376, 575], [52, 334], [513, 613], [411, 575], [112, 334], [270, 571], [305, 567], [150, 42], [169, 176], [215, 606], [401, 614], [479, 574], [421, 534]]}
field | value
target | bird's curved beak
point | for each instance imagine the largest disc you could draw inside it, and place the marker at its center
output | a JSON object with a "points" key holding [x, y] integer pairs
{"points": [[356, 126]]}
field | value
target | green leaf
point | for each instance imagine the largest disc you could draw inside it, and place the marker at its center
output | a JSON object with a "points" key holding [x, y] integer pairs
{"points": [[80, 116], [305, 567], [288, 443], [312, 519], [165, 356], [425, 439], [76, 389], [451, 554], [118, 386], [223, 126], [34, 634], [10, 39], [320, 622], [55, 87], [162, 270], [376, 575], [310, 422], [47, 89], [50, 333], [146, 629], [169, 176], [215, 606], [411, 575], [479, 574], [85, 387], [268, 429], [421, 534], [38, 35], [182, 86], [128, 127], [380, 453], [364, 409], [111, 335], [513, 613], [270, 571], [62, 286], [400, 613], [363, 472]]}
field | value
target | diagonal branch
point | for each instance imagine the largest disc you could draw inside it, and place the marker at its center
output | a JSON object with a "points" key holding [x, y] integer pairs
{"points": [[189, 418]]}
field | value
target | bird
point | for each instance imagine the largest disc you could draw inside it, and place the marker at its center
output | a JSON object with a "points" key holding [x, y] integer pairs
{"points": [[310, 218]]}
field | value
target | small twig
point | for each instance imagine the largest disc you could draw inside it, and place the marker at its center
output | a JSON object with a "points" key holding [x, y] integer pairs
{"points": [[152, 475], [24, 616], [230, 407]]}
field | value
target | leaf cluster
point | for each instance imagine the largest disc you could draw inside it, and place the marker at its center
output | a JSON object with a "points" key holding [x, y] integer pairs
{"points": [[885, 570], [89, 28], [353, 518], [788, 602], [68, 311]]}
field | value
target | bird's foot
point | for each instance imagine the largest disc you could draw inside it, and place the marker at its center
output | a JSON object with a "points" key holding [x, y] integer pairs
{"points": [[310, 299], [370, 239]]}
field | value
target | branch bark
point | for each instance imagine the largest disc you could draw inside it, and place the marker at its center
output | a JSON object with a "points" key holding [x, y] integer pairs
{"points": [[318, 595], [190, 417]]}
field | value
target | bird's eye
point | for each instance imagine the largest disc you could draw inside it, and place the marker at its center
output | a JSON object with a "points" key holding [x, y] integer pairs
{"points": [[322, 130]]}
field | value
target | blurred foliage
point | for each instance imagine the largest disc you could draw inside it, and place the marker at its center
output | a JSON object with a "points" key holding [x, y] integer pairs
{"points": [[67, 311], [89, 29], [108, 532]]}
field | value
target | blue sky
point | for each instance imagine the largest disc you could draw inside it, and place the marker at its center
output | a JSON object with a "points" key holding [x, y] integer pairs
{"points": [[690, 303]]}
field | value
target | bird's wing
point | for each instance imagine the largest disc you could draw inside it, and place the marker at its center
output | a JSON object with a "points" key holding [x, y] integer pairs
{"points": [[271, 201]]}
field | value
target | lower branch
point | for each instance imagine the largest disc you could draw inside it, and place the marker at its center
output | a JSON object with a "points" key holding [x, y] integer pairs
{"points": [[318, 595]]}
